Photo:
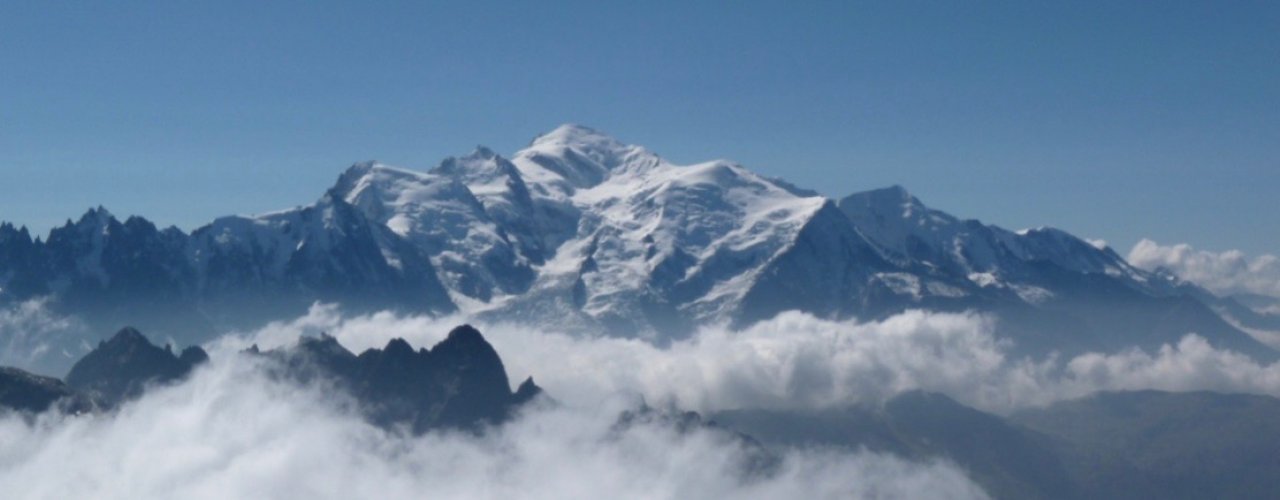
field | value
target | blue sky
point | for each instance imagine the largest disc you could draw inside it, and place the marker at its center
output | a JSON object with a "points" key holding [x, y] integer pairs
{"points": [[1115, 120]]}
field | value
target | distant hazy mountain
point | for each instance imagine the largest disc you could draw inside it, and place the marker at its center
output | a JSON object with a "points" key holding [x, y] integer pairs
{"points": [[1151, 444], [580, 231], [1143, 444], [1007, 460]]}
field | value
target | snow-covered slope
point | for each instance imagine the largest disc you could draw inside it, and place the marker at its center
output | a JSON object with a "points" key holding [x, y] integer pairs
{"points": [[583, 231], [664, 242], [989, 256], [441, 217], [1054, 291]]}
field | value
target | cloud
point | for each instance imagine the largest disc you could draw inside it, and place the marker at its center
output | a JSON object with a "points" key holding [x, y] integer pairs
{"points": [[229, 432], [1224, 273], [33, 337], [797, 361], [1190, 365]]}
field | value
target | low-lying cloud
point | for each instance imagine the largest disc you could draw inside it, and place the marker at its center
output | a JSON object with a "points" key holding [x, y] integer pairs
{"points": [[797, 361], [1224, 273], [230, 432], [35, 338]]}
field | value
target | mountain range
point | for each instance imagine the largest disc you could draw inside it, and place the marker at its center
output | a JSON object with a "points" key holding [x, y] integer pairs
{"points": [[1132, 444], [581, 232], [460, 383]]}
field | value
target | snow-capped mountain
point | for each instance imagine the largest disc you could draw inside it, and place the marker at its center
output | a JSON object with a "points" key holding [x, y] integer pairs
{"points": [[235, 272], [579, 231], [279, 263], [989, 256], [595, 234], [633, 242], [441, 217], [1054, 289]]}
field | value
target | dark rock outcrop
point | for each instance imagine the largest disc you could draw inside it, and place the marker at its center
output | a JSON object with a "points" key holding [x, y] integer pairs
{"points": [[30, 393], [120, 368], [458, 383]]}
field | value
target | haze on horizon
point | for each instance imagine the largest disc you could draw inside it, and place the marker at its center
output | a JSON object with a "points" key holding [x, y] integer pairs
{"points": [[1118, 122]]}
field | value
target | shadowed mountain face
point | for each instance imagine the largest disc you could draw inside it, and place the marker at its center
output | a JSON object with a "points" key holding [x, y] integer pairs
{"points": [[25, 392], [458, 383], [1143, 444], [1152, 444], [1007, 460], [122, 367], [234, 272]]}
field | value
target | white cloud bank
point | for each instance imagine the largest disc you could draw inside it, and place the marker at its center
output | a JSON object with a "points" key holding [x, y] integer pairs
{"points": [[231, 433], [1223, 273], [797, 361]]}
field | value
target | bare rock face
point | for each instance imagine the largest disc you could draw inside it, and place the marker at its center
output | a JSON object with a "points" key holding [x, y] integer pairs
{"points": [[120, 368], [29, 393], [458, 383]]}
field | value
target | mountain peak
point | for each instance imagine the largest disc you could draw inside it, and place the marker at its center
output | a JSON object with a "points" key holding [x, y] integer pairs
{"points": [[895, 190], [891, 201], [464, 333], [571, 140], [127, 336], [9, 233], [572, 133], [97, 213], [121, 366], [895, 194], [477, 166], [350, 177], [94, 217], [455, 386], [324, 343], [398, 347]]}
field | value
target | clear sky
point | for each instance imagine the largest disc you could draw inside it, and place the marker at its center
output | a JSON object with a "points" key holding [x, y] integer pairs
{"points": [[1115, 120]]}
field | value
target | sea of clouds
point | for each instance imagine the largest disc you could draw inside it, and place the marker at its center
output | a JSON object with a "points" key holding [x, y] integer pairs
{"points": [[230, 432], [798, 361]]}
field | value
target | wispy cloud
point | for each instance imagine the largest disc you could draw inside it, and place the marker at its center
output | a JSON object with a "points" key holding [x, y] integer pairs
{"points": [[35, 338]]}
